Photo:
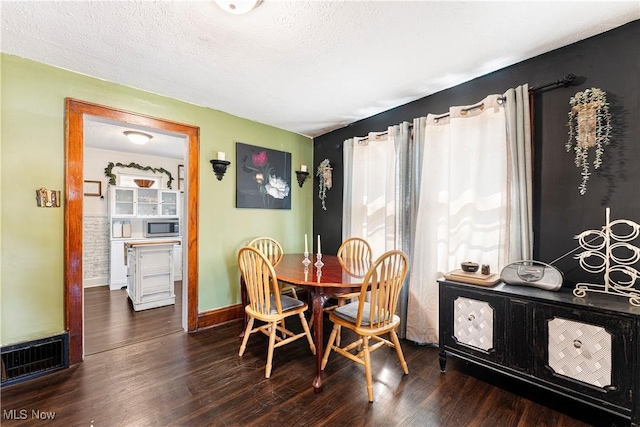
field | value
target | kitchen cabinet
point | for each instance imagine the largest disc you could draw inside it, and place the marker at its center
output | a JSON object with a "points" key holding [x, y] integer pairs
{"points": [[583, 348], [132, 202], [146, 202], [122, 202], [118, 270], [129, 207], [177, 262], [151, 274], [169, 206]]}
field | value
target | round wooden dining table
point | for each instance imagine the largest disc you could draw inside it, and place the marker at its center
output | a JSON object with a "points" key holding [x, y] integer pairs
{"points": [[336, 276]]}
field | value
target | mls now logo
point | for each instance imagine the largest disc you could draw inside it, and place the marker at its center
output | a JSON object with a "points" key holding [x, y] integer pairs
{"points": [[23, 414]]}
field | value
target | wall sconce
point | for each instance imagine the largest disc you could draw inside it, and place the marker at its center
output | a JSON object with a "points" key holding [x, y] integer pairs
{"points": [[302, 177], [220, 165]]}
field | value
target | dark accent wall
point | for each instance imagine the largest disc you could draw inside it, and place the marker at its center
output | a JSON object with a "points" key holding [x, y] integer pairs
{"points": [[610, 61]]}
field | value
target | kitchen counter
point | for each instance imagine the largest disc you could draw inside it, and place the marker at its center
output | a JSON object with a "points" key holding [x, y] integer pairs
{"points": [[150, 273], [119, 248]]}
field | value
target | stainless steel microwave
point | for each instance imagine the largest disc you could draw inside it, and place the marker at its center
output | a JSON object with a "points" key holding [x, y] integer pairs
{"points": [[161, 227]]}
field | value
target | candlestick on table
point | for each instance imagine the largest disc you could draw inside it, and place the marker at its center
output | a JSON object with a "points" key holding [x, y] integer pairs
{"points": [[306, 261], [319, 262]]}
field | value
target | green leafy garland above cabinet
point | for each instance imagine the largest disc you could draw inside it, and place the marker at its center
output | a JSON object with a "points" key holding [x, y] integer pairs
{"points": [[112, 176]]}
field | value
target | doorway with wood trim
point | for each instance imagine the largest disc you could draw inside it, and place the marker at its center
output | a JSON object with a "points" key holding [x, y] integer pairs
{"points": [[76, 111]]}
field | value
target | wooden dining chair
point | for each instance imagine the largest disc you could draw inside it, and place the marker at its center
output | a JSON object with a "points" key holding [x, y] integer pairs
{"points": [[373, 318], [273, 251], [355, 257], [266, 304], [355, 248]]}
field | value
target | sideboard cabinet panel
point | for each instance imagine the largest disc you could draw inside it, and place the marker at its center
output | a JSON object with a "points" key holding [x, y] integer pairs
{"points": [[474, 324], [586, 352], [519, 317], [587, 348]]}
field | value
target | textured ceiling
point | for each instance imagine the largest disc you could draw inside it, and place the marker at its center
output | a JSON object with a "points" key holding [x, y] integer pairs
{"points": [[304, 66]]}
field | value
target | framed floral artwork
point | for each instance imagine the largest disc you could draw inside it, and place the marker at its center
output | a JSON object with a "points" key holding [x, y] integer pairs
{"points": [[263, 178]]}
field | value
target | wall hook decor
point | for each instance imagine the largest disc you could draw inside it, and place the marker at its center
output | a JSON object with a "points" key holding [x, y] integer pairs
{"points": [[302, 177], [219, 167]]}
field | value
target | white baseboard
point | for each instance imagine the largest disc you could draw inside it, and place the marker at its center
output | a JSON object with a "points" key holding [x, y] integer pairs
{"points": [[95, 282]]}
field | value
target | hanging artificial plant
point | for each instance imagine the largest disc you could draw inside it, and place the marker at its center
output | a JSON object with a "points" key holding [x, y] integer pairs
{"points": [[112, 176], [324, 177], [589, 126]]}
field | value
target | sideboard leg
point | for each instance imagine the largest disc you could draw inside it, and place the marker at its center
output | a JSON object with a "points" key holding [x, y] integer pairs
{"points": [[443, 360]]}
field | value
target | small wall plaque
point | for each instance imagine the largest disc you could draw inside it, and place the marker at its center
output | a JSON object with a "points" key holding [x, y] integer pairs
{"points": [[48, 198]]}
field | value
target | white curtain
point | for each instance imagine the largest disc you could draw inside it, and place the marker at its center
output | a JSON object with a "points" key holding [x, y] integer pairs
{"points": [[520, 173], [369, 197], [454, 189], [463, 212]]}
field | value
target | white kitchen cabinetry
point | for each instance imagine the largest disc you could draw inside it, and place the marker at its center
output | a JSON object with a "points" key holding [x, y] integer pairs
{"points": [[177, 262], [128, 202], [118, 275], [129, 207], [151, 278], [122, 202], [169, 206], [147, 201], [157, 203]]}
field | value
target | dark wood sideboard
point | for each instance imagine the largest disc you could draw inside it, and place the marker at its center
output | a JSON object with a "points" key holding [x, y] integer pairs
{"points": [[587, 349]]}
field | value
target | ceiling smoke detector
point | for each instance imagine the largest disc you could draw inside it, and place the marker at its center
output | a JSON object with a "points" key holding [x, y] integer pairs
{"points": [[238, 7]]}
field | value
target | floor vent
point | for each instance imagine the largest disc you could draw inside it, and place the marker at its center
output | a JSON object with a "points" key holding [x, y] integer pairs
{"points": [[24, 361]]}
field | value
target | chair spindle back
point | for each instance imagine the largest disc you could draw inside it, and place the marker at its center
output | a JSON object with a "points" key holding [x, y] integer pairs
{"points": [[355, 248], [270, 248], [260, 280], [384, 281]]}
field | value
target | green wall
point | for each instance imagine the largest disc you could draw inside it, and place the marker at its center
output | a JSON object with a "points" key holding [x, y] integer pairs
{"points": [[32, 156]]}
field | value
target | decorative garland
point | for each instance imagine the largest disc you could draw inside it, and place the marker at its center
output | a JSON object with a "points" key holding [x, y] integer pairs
{"points": [[325, 178], [112, 176], [590, 126]]}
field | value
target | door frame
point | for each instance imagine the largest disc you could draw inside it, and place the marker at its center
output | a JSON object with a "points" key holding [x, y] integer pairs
{"points": [[75, 111]]}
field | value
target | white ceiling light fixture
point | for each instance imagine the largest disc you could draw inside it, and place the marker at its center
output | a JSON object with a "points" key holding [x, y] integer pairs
{"points": [[238, 7], [139, 138]]}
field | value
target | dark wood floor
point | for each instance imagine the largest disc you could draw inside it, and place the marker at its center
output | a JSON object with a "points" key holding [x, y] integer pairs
{"points": [[111, 322], [199, 380]]}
